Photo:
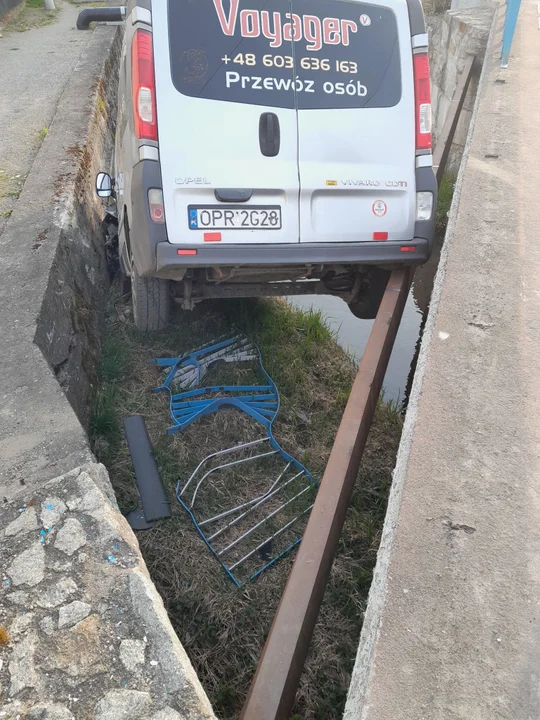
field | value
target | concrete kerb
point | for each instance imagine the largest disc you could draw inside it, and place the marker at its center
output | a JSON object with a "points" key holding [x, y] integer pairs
{"points": [[89, 636], [356, 707]]}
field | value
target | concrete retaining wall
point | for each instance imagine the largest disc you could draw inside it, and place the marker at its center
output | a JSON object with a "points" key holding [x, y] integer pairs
{"points": [[69, 328], [375, 624]]}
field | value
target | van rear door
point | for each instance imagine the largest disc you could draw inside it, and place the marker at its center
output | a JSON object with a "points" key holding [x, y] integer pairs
{"points": [[355, 121], [227, 121]]}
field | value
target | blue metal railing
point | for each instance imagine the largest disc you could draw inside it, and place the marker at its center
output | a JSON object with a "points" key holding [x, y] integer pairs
{"points": [[512, 12]]}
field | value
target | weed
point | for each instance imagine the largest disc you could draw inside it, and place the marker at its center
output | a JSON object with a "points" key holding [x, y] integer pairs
{"points": [[29, 14], [224, 629], [42, 134], [6, 213], [113, 360], [104, 420], [446, 193]]}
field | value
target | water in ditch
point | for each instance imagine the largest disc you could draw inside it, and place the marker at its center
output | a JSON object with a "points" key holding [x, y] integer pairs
{"points": [[353, 334]]}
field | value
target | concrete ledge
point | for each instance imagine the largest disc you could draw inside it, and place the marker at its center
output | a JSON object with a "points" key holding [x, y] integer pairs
{"points": [[90, 637], [453, 37], [409, 665]]}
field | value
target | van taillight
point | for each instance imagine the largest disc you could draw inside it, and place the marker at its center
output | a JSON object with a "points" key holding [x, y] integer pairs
{"points": [[422, 92], [144, 86]]}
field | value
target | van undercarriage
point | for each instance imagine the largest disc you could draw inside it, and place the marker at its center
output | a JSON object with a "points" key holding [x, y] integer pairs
{"points": [[347, 282]]}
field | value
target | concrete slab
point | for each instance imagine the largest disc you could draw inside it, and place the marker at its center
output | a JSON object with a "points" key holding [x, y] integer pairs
{"points": [[452, 629]]}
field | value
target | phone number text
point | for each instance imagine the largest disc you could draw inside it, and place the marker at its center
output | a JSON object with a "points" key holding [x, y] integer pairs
{"points": [[287, 61]]}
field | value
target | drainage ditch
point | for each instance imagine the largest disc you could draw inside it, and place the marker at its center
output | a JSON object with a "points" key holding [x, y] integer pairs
{"points": [[223, 628]]}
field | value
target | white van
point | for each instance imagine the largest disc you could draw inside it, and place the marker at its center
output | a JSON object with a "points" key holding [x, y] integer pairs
{"points": [[271, 147]]}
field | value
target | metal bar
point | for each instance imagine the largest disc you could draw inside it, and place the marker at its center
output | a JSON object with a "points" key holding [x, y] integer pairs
{"points": [[227, 465], [270, 494], [242, 446], [273, 689], [265, 398], [512, 12], [222, 388], [261, 522], [278, 532], [440, 155], [226, 513], [260, 502]]}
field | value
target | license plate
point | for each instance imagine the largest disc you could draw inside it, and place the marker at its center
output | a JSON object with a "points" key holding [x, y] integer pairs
{"points": [[212, 217]]}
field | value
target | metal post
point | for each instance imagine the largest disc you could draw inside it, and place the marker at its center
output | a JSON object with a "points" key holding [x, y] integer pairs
{"points": [[512, 12], [444, 142]]}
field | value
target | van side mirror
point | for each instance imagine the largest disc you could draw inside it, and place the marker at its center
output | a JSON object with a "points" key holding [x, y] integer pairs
{"points": [[104, 185]]}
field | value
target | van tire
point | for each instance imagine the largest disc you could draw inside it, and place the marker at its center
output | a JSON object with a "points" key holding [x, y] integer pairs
{"points": [[151, 301], [366, 305]]}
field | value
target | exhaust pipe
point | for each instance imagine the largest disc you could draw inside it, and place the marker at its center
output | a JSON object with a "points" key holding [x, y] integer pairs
{"points": [[103, 14]]}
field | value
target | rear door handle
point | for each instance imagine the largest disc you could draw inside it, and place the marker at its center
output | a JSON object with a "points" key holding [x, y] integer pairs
{"points": [[269, 134]]}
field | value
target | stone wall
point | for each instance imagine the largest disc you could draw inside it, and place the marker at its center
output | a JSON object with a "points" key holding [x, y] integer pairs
{"points": [[453, 37], [88, 634], [69, 325]]}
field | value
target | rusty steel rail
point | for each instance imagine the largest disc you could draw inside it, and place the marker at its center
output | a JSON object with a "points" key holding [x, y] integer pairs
{"points": [[272, 692], [440, 155]]}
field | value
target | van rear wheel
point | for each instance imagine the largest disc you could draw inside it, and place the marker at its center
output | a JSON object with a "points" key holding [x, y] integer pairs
{"points": [[366, 304], [151, 301]]}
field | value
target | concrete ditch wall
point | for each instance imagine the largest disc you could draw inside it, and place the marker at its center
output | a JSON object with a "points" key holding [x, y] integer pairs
{"points": [[376, 626], [87, 634]]}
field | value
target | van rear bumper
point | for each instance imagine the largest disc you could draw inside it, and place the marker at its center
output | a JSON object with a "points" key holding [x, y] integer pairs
{"points": [[366, 253]]}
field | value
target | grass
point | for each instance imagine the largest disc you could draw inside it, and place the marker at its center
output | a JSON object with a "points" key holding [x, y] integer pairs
{"points": [[29, 14], [11, 185], [15, 193], [223, 629], [446, 193]]}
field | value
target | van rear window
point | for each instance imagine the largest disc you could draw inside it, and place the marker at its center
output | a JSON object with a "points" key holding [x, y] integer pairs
{"points": [[310, 54]]}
